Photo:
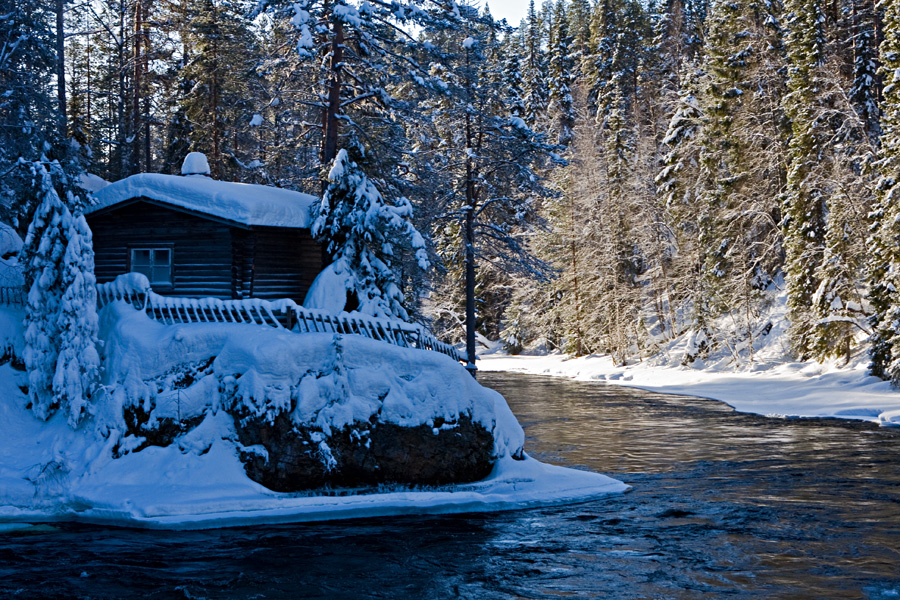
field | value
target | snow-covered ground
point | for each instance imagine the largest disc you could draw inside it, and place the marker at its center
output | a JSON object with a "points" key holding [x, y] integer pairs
{"points": [[49, 472], [770, 384]]}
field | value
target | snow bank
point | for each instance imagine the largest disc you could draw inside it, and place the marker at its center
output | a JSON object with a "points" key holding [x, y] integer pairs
{"points": [[329, 290], [789, 390], [11, 275], [771, 384], [49, 472], [242, 203]]}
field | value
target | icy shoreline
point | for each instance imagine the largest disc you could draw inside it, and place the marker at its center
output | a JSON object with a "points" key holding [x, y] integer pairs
{"points": [[788, 389], [515, 485]]}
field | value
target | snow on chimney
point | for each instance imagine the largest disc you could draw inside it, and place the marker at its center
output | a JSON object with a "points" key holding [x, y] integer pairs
{"points": [[195, 163]]}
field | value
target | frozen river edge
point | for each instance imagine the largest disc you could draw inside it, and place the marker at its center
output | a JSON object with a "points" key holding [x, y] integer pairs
{"points": [[786, 390], [513, 485]]}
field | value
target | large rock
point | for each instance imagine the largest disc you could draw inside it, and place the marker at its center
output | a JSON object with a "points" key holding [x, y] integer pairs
{"points": [[300, 458]]}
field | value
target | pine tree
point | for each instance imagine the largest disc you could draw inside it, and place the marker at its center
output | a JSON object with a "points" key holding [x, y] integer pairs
{"points": [[488, 159], [220, 52]]}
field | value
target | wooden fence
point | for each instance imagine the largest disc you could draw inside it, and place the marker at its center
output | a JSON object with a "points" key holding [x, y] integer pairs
{"points": [[280, 314], [14, 296]]}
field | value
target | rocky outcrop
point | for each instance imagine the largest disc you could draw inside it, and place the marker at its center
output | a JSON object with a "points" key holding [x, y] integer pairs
{"points": [[297, 458], [306, 411]]}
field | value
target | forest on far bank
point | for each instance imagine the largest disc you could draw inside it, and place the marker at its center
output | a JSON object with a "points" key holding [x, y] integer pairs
{"points": [[612, 173]]}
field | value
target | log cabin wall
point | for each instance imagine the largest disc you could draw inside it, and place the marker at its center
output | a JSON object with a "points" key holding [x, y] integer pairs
{"points": [[285, 263], [210, 258]]}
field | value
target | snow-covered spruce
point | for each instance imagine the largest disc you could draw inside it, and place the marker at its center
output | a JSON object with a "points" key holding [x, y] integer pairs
{"points": [[309, 410], [360, 229], [60, 316]]}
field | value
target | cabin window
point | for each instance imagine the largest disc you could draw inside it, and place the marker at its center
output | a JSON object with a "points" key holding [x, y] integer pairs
{"points": [[155, 263]]}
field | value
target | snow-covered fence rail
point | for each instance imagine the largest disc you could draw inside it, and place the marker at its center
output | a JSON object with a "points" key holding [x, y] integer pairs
{"points": [[12, 295], [280, 314]]}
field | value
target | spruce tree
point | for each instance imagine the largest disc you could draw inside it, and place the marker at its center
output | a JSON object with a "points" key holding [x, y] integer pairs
{"points": [[45, 247], [561, 67], [29, 119], [78, 364], [61, 358], [362, 232], [866, 86], [805, 199], [742, 144], [512, 77], [884, 258], [535, 69]]}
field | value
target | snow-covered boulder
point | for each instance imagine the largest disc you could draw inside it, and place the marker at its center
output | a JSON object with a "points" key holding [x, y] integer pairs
{"points": [[309, 410]]}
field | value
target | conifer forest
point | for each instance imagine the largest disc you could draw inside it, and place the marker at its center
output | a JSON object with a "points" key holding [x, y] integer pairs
{"points": [[607, 175]]}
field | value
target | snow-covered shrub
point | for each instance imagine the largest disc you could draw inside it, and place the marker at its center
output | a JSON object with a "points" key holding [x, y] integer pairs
{"points": [[360, 229]]}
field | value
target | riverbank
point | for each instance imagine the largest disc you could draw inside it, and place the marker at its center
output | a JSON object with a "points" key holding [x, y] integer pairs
{"points": [[785, 389]]}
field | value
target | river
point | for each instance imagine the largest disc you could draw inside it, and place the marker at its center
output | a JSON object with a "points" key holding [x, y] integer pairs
{"points": [[724, 505]]}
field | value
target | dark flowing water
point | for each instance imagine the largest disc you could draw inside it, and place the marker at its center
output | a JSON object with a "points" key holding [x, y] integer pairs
{"points": [[724, 505]]}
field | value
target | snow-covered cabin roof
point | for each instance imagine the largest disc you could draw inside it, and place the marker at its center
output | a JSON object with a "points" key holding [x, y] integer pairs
{"points": [[240, 203]]}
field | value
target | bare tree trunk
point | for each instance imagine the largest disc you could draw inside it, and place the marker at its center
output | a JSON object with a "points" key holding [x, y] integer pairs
{"points": [[578, 346], [135, 145], [145, 67], [470, 264], [61, 66], [330, 115], [87, 133], [122, 118], [471, 198]]}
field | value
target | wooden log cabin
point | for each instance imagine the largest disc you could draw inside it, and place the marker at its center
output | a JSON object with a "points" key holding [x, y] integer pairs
{"points": [[194, 236]]}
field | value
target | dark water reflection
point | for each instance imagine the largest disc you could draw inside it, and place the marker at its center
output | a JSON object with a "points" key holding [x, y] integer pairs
{"points": [[724, 505]]}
